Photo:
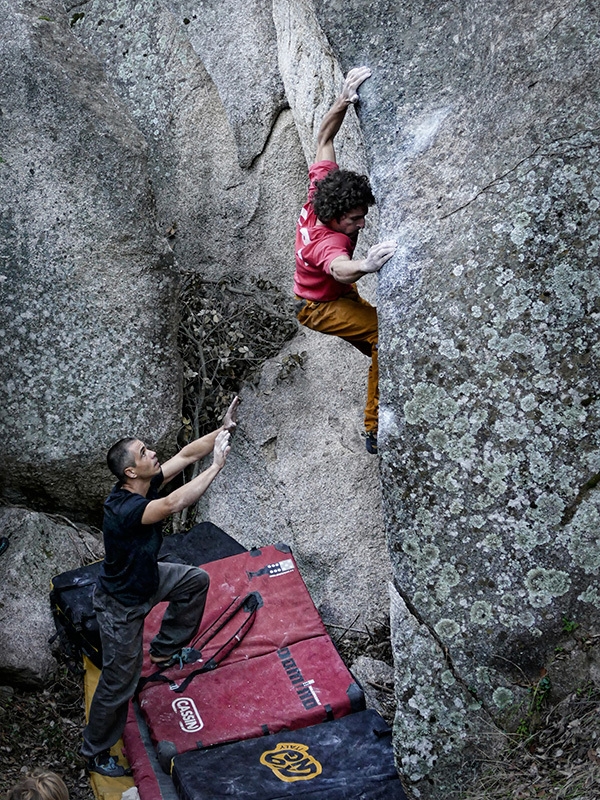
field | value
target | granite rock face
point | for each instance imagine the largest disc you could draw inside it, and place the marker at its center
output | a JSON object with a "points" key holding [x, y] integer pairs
{"points": [[481, 124], [299, 473], [40, 547], [87, 287], [203, 87]]}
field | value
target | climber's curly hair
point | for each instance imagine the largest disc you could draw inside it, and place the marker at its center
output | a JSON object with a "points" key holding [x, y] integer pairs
{"points": [[339, 192]]}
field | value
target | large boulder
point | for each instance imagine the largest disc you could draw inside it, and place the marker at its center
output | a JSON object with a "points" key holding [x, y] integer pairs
{"points": [[40, 547], [225, 162], [299, 473], [87, 287], [482, 126]]}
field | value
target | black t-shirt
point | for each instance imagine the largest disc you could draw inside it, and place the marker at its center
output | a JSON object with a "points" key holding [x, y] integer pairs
{"points": [[130, 570]]}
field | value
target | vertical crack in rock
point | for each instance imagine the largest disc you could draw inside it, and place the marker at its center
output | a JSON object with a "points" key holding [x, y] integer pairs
{"points": [[277, 116], [443, 647], [571, 510]]}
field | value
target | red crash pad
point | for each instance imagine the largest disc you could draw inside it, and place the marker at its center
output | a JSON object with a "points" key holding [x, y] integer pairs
{"points": [[284, 673]]}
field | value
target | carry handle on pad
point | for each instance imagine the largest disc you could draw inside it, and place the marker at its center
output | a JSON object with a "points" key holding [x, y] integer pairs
{"points": [[251, 604]]}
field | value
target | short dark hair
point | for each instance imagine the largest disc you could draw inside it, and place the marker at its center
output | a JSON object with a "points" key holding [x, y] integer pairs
{"points": [[119, 457], [339, 192]]}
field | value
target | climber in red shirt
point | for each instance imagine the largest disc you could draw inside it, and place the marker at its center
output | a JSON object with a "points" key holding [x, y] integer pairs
{"points": [[326, 234]]}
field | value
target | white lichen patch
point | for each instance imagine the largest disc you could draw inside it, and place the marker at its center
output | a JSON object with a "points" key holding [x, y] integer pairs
{"points": [[527, 537], [448, 348], [429, 404], [447, 678], [519, 234], [493, 541], [511, 429], [456, 507], [411, 547], [481, 612], [424, 601], [517, 307], [447, 479], [544, 585], [507, 346], [529, 402], [428, 557], [548, 510], [437, 439], [460, 449], [447, 628], [503, 698], [484, 676], [447, 579], [591, 595]]}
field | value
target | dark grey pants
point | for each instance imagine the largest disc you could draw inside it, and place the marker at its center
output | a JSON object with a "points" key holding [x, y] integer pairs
{"points": [[121, 634]]}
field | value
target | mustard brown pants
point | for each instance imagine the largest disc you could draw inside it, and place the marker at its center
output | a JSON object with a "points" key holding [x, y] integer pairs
{"points": [[355, 320]]}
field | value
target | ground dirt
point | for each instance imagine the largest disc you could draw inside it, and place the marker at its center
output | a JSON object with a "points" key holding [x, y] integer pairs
{"points": [[556, 756], [43, 729], [552, 750]]}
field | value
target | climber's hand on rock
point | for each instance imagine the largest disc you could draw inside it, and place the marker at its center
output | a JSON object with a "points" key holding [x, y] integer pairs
{"points": [[353, 80], [378, 255], [221, 448], [230, 419]]}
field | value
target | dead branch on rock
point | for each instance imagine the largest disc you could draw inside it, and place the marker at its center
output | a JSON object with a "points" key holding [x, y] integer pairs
{"points": [[228, 329]]}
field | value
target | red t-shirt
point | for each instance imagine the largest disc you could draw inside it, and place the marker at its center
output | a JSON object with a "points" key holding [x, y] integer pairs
{"points": [[317, 246]]}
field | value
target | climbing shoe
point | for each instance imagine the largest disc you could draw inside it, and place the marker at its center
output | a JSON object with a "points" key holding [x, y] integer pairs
{"points": [[107, 765], [371, 442], [187, 655]]}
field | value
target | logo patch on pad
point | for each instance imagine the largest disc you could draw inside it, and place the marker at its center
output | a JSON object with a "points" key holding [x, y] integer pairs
{"points": [[290, 761], [190, 720]]}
